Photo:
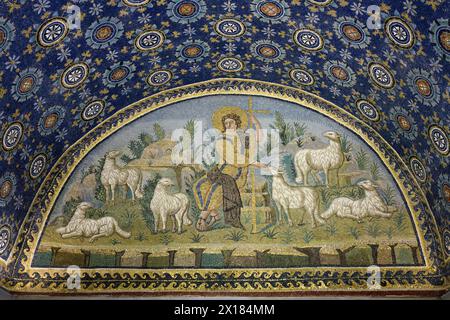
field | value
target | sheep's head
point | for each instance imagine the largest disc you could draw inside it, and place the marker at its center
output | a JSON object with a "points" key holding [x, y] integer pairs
{"points": [[367, 185], [166, 182], [113, 154], [84, 206], [332, 135]]}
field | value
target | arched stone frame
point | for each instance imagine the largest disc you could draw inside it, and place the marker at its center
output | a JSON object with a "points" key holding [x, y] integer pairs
{"points": [[24, 277]]}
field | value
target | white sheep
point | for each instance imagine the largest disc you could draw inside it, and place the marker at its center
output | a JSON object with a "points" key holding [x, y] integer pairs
{"points": [[325, 159], [79, 226], [112, 175], [288, 197], [371, 205], [165, 204]]}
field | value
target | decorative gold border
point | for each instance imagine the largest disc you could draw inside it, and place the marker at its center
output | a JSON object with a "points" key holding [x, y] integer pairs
{"points": [[139, 276]]}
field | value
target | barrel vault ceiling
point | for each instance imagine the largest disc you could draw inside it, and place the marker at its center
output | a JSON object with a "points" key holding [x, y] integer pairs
{"points": [[60, 77]]}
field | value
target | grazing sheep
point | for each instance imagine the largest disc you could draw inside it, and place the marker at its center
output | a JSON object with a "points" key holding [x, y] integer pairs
{"points": [[371, 205], [294, 197], [80, 226], [324, 159], [165, 204], [112, 175]]}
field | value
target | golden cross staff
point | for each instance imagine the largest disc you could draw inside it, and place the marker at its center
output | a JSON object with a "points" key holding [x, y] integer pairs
{"points": [[252, 169]]}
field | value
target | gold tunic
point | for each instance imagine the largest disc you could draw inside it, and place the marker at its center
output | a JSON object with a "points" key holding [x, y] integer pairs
{"points": [[233, 161]]}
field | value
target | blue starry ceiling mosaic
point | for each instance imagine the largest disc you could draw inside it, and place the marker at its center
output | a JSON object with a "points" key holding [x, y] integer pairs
{"points": [[62, 73]]}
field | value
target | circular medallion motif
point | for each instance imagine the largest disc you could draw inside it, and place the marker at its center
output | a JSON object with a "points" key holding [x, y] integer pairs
{"points": [[136, 3], [3, 36], [75, 75], [302, 77], [444, 39], [92, 110], [446, 192], [150, 40], [26, 84], [418, 169], [399, 32], [192, 50], [7, 34], [7, 188], [52, 32], [439, 139], [51, 120], [308, 39], [229, 28], [37, 166], [423, 87], [405, 125], [5, 238], [446, 238], [104, 32], [159, 77], [381, 75], [321, 3], [403, 122], [186, 11], [368, 110], [267, 51], [352, 32], [119, 74], [339, 73], [271, 10], [12, 136], [440, 37], [229, 64]]}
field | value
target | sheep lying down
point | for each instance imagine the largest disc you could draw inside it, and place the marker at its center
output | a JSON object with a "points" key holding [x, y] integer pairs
{"points": [[80, 226], [372, 205]]}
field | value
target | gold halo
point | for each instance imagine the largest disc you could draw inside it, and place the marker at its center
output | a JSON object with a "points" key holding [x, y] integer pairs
{"points": [[220, 113]]}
